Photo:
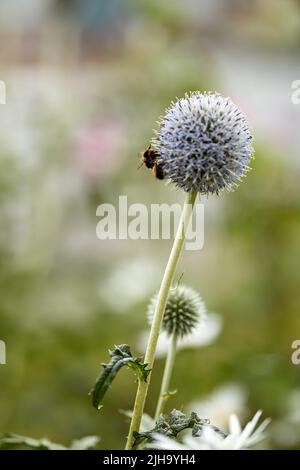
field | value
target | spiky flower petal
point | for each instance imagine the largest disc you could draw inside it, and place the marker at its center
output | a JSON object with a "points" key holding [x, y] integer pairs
{"points": [[184, 311], [204, 143]]}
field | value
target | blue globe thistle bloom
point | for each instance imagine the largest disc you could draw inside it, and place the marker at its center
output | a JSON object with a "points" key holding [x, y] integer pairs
{"points": [[204, 143], [185, 309]]}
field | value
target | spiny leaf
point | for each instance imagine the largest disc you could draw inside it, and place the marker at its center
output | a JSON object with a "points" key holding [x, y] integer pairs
{"points": [[120, 356], [172, 425]]}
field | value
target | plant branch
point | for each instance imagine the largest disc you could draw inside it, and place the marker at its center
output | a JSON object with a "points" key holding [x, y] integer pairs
{"points": [[142, 390]]}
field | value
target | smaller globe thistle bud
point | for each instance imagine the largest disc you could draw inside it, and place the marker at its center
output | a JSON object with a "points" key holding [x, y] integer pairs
{"points": [[204, 143], [185, 309]]}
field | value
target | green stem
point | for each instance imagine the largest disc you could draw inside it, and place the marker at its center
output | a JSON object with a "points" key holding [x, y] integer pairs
{"points": [[165, 385], [142, 390]]}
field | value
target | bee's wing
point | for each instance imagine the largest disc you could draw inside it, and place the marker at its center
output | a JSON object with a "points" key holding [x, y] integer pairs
{"points": [[141, 159]]}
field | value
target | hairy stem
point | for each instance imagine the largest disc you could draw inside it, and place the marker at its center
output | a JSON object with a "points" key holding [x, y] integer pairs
{"points": [[165, 385], [142, 390]]}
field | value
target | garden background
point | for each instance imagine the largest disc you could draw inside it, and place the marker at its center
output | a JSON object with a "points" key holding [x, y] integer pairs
{"points": [[85, 84]]}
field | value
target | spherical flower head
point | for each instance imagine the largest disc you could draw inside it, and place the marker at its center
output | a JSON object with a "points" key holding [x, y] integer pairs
{"points": [[204, 143], [185, 309]]}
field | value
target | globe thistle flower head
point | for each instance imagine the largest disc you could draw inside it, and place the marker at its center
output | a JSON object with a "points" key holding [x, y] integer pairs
{"points": [[185, 309], [204, 143]]}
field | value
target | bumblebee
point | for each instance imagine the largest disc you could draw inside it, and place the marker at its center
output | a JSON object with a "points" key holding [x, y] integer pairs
{"points": [[149, 159]]}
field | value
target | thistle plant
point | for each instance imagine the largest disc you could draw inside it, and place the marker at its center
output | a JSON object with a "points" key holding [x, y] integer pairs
{"points": [[204, 144]]}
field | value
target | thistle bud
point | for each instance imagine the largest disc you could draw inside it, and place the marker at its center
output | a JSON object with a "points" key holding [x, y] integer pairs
{"points": [[184, 311]]}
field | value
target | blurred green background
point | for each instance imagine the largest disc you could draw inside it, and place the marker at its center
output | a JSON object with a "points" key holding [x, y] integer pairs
{"points": [[85, 83]]}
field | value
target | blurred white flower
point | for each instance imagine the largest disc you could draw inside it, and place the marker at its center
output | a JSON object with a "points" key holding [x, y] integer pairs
{"points": [[236, 439], [124, 286], [286, 430], [223, 402], [204, 334]]}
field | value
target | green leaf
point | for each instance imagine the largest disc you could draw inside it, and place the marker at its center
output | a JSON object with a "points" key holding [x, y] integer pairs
{"points": [[172, 425], [120, 356]]}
